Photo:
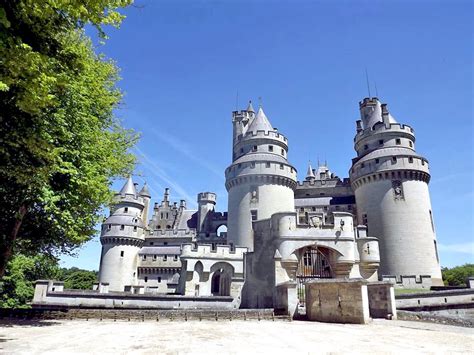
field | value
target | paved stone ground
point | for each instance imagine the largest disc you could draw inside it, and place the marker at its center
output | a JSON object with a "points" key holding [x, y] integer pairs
{"points": [[211, 337]]}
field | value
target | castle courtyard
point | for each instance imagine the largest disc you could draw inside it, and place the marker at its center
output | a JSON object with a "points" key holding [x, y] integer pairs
{"points": [[211, 337]]}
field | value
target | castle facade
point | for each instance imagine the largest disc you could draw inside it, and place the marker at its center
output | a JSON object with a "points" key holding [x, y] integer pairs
{"points": [[377, 224]]}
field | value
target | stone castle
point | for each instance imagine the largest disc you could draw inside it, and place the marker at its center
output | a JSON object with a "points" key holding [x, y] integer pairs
{"points": [[280, 233]]}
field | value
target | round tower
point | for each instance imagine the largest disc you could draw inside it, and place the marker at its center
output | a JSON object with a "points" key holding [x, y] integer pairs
{"points": [[122, 236], [390, 181], [206, 203], [260, 181]]}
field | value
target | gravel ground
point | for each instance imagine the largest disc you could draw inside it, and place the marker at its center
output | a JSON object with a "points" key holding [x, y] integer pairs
{"points": [[211, 337]]}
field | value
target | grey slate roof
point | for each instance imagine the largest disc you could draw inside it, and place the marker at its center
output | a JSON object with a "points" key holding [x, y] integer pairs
{"points": [[260, 122], [128, 188], [145, 191]]}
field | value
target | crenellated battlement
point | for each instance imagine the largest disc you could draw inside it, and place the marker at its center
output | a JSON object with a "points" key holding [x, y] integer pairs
{"points": [[274, 135], [206, 250], [382, 128], [166, 233]]}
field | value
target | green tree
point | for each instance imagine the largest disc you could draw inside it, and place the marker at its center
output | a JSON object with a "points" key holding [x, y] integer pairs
{"points": [[60, 144], [80, 279], [17, 285], [457, 275]]}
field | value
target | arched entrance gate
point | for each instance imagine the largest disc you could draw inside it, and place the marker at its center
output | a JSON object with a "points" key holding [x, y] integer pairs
{"points": [[313, 264]]}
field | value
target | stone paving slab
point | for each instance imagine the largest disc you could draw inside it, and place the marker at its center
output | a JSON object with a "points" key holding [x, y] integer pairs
{"points": [[211, 337]]}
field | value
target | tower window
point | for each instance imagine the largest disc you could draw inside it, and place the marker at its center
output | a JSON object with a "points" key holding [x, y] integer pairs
{"points": [[125, 209], [159, 279], [422, 162], [362, 165], [394, 160], [165, 257], [282, 166], [175, 258], [254, 149], [144, 257], [431, 219], [364, 219], [154, 257], [283, 152], [241, 150], [121, 253], [270, 148], [381, 142], [377, 161], [109, 227], [252, 165], [398, 141], [122, 227], [267, 164], [134, 228], [410, 160], [146, 278], [366, 147], [254, 215], [410, 143]]}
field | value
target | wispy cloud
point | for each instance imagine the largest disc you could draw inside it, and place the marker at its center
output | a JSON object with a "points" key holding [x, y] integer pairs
{"points": [[463, 248], [181, 147], [156, 171]]}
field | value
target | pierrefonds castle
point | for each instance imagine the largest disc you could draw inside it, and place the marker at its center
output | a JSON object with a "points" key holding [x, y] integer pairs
{"points": [[376, 225]]}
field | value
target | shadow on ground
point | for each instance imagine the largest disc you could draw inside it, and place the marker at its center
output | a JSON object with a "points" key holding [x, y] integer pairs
{"points": [[8, 323]]}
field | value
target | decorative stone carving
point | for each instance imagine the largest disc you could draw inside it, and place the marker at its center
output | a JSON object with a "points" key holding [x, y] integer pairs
{"points": [[397, 190]]}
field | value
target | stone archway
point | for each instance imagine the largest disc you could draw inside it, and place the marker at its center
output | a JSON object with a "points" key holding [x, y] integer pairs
{"points": [[221, 279]]}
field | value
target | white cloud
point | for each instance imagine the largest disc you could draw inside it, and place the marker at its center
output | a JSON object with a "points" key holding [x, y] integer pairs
{"points": [[185, 150], [155, 170], [463, 248]]}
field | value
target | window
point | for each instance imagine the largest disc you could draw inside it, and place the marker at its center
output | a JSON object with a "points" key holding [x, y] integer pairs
{"points": [[109, 227], [270, 148], [398, 141], [313, 209], [267, 164], [362, 165], [325, 208], [364, 219], [151, 243], [241, 150], [302, 209], [254, 149], [431, 219], [338, 208], [380, 141], [422, 162], [377, 161], [283, 152], [134, 228], [121, 253], [167, 215], [410, 143], [165, 257], [252, 164], [175, 258], [146, 278], [154, 257], [165, 243], [161, 215], [366, 147], [125, 209], [410, 160], [394, 160], [122, 227], [282, 166], [159, 279], [254, 215]]}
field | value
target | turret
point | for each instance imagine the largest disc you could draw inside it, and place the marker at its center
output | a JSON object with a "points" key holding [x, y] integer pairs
{"points": [[206, 204], [390, 180], [145, 194], [122, 235], [260, 180], [310, 173]]}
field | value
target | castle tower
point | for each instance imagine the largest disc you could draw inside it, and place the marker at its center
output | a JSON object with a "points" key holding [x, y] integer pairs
{"points": [[145, 194], [121, 237], [206, 203], [390, 181], [260, 181]]}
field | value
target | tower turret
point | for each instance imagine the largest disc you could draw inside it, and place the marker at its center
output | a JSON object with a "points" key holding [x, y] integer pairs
{"points": [[206, 204], [145, 194], [260, 180], [122, 235], [310, 173], [390, 181]]}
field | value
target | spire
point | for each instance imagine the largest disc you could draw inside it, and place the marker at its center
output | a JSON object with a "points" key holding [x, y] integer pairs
{"points": [[260, 122], [250, 107], [145, 191], [129, 187], [310, 173]]}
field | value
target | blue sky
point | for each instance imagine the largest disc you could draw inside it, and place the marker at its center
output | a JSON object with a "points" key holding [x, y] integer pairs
{"points": [[186, 65]]}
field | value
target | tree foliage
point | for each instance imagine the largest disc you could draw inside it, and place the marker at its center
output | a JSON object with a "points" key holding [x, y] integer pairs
{"points": [[17, 285], [457, 275], [60, 143], [78, 279]]}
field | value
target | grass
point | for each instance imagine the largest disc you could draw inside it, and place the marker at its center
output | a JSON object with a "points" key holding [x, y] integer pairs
{"points": [[400, 291]]}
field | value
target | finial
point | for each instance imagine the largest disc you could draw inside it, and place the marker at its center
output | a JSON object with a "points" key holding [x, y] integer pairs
{"points": [[259, 102]]}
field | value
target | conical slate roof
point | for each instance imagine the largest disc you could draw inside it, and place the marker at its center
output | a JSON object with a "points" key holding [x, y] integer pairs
{"points": [[128, 188], [250, 107], [145, 191], [260, 122], [310, 173]]}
